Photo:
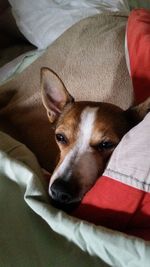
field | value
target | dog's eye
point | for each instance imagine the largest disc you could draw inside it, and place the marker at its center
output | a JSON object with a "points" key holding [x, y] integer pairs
{"points": [[61, 138], [105, 145]]}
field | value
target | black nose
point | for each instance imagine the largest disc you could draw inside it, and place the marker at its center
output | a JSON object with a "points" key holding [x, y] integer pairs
{"points": [[60, 191]]}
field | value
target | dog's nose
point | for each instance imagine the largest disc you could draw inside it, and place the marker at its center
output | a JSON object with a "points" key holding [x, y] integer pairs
{"points": [[60, 191]]}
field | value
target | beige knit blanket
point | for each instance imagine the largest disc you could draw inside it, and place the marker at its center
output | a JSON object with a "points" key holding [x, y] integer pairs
{"points": [[89, 58]]}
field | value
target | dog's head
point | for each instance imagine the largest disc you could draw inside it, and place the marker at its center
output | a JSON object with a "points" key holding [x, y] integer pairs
{"points": [[86, 133]]}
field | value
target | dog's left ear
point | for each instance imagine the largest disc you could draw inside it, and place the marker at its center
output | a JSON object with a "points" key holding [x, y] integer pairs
{"points": [[54, 94], [137, 113]]}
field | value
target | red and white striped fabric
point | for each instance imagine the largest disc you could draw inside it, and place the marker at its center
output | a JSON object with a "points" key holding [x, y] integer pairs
{"points": [[120, 199]]}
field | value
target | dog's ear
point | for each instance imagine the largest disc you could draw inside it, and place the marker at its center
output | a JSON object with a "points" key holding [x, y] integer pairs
{"points": [[137, 113], [54, 94]]}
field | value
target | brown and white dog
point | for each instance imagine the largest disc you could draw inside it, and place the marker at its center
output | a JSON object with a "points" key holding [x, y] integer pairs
{"points": [[86, 133]]}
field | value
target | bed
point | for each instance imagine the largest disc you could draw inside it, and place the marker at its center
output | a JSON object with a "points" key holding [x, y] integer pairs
{"points": [[32, 232]]}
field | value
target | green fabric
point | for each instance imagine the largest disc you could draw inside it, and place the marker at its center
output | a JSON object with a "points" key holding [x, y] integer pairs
{"points": [[139, 4], [10, 70], [33, 233]]}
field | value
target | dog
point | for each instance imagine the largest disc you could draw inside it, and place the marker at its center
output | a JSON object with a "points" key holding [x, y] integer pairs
{"points": [[86, 133]]}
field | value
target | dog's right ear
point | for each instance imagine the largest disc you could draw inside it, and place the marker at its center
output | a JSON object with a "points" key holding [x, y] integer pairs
{"points": [[54, 94], [137, 113]]}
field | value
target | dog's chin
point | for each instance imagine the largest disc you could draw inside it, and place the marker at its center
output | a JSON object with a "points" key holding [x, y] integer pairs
{"points": [[65, 207]]}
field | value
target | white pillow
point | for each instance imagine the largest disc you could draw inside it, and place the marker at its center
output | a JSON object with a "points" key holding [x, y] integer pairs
{"points": [[42, 21]]}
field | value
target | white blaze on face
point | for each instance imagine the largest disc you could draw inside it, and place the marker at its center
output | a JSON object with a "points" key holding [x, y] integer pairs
{"points": [[86, 125], [80, 147]]}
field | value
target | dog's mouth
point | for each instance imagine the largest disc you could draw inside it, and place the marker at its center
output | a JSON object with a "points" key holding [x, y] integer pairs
{"points": [[67, 207]]}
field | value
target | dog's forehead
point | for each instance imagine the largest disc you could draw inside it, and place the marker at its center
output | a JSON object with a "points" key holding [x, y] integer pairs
{"points": [[73, 114]]}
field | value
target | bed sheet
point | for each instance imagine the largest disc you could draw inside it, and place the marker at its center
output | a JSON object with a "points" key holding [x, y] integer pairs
{"points": [[29, 229], [43, 21]]}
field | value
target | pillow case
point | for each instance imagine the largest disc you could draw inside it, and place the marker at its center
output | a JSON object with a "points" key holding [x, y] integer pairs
{"points": [[43, 21], [121, 197]]}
